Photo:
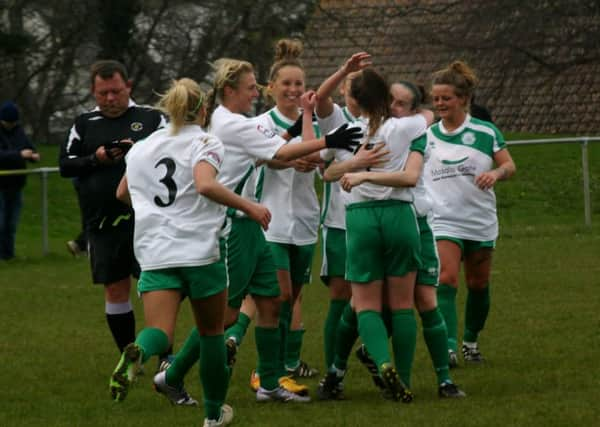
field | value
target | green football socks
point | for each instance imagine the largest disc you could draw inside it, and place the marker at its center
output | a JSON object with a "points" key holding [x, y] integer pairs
{"points": [[447, 303], [336, 308], [151, 341], [436, 338], [293, 348], [374, 335], [214, 374], [238, 330], [404, 342], [347, 333], [269, 362], [185, 358]]}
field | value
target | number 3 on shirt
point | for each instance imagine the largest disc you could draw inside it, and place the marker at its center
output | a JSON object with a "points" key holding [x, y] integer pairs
{"points": [[168, 182]]}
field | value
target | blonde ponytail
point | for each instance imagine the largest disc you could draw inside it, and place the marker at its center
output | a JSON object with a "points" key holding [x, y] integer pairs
{"points": [[182, 103]]}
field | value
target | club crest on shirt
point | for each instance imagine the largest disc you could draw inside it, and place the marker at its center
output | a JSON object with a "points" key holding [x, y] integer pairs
{"points": [[468, 138], [214, 157], [136, 126], [266, 132]]}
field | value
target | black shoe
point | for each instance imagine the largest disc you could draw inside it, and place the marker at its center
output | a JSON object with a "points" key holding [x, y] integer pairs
{"points": [[302, 371], [450, 390], [394, 385], [331, 387], [471, 354], [363, 355]]}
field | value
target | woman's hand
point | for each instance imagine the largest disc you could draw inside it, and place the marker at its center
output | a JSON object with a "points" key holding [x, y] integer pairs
{"points": [[486, 180], [308, 101], [357, 62], [260, 214], [351, 180], [367, 157]]}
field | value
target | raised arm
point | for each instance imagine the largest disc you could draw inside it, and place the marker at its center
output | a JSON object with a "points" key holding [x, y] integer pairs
{"points": [[356, 62]]}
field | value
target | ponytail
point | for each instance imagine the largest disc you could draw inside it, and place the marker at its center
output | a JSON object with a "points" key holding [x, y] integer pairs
{"points": [[372, 93], [182, 102]]}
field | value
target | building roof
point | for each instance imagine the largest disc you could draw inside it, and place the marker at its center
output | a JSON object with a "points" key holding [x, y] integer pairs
{"points": [[540, 80]]}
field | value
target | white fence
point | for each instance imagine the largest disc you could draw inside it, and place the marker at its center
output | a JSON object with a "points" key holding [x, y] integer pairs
{"points": [[583, 140]]}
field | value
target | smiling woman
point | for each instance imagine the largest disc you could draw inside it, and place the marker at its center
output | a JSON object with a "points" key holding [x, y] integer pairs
{"points": [[288, 190], [460, 177]]}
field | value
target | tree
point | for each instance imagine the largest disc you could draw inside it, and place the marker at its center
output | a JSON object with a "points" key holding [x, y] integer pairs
{"points": [[47, 47]]}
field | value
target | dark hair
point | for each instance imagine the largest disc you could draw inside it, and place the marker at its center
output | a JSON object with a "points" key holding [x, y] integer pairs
{"points": [[372, 93], [106, 69], [417, 94]]}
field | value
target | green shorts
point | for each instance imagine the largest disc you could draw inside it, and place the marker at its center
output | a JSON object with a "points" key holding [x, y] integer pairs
{"points": [[468, 246], [428, 273], [250, 263], [333, 246], [382, 240], [295, 259], [194, 282]]}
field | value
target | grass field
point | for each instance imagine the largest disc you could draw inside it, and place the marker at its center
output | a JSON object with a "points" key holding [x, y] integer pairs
{"points": [[541, 341]]}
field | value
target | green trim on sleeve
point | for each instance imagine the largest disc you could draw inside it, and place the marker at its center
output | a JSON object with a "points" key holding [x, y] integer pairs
{"points": [[419, 144], [260, 184]]}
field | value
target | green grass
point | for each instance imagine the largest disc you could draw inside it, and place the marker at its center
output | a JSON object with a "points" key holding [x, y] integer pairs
{"points": [[541, 340]]}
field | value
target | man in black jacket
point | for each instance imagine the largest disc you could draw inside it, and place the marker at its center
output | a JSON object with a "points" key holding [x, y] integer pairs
{"points": [[15, 150], [91, 154]]}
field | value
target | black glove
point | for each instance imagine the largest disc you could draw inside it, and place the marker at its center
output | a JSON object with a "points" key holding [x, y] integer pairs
{"points": [[344, 137], [295, 129]]}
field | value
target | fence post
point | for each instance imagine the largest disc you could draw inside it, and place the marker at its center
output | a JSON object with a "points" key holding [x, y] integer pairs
{"points": [[586, 182], [44, 177]]}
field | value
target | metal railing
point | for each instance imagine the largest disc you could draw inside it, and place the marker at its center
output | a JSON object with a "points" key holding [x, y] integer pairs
{"points": [[585, 166], [583, 140], [43, 172]]}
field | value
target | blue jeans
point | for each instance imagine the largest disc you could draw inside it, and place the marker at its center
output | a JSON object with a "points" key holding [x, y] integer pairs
{"points": [[11, 202]]}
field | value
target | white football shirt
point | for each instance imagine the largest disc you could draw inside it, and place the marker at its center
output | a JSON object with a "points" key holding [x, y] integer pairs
{"points": [[289, 195], [246, 141], [397, 134], [175, 226], [461, 209]]}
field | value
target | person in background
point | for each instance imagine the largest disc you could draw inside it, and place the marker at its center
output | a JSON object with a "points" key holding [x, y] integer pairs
{"points": [[479, 111], [91, 154], [15, 151]]}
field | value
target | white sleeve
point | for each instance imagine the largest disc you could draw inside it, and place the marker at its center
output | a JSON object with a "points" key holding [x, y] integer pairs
{"points": [[332, 121], [255, 137], [416, 126], [208, 148]]}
